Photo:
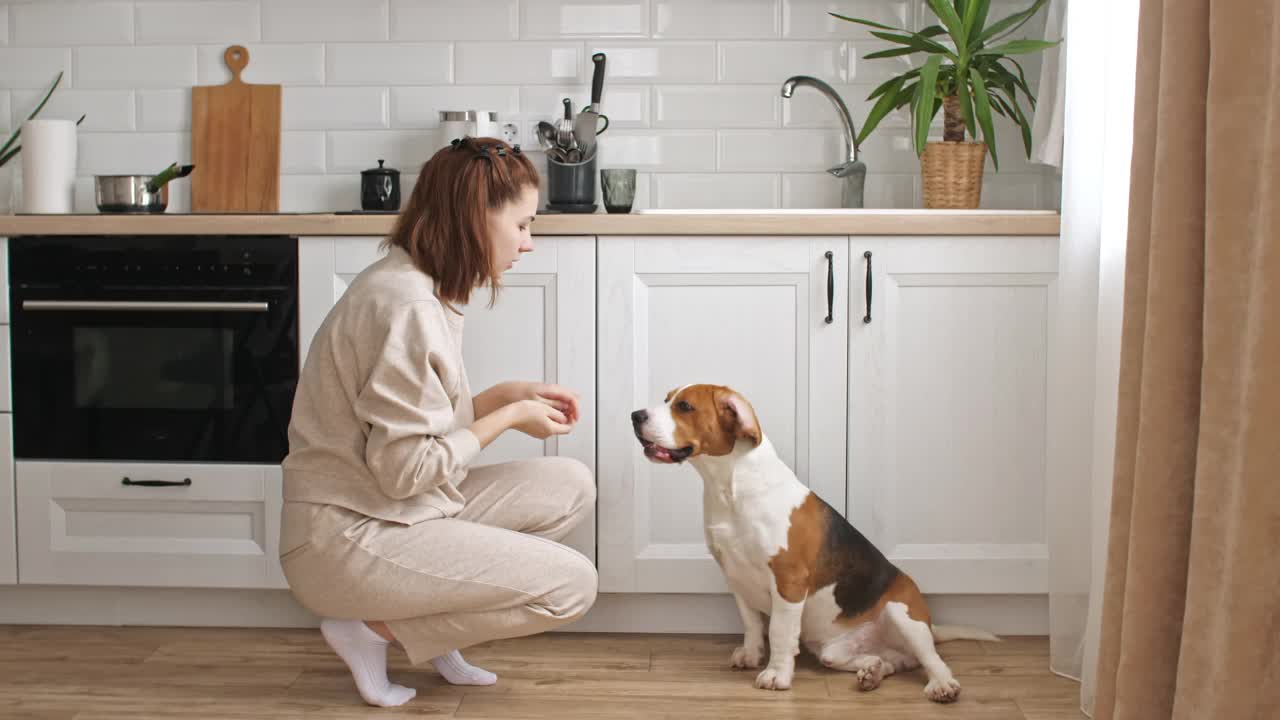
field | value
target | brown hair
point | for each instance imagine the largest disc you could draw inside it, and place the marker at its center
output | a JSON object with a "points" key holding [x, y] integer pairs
{"points": [[444, 226]]}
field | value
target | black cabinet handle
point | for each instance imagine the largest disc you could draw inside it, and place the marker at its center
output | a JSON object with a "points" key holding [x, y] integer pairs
{"points": [[831, 286], [867, 318], [156, 483]]}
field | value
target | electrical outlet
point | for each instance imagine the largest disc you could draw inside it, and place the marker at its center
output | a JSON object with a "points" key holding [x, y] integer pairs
{"points": [[510, 133]]}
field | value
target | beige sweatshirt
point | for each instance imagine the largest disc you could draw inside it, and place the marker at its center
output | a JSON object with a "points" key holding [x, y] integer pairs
{"points": [[381, 414]]}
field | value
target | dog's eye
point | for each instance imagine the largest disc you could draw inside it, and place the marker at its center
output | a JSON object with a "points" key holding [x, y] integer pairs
{"points": [[683, 406]]}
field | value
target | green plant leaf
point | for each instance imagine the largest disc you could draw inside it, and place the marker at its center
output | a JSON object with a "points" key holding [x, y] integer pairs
{"points": [[921, 43], [933, 31], [6, 157], [891, 53], [1018, 47], [868, 23], [975, 14], [13, 138], [1007, 25], [947, 14], [924, 109], [890, 82], [882, 107], [1022, 81], [983, 108]]}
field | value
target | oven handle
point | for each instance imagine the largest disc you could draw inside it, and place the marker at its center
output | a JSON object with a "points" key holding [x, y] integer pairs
{"points": [[144, 306]]}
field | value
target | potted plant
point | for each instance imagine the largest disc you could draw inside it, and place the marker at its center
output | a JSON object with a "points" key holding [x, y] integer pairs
{"points": [[970, 74], [10, 149]]}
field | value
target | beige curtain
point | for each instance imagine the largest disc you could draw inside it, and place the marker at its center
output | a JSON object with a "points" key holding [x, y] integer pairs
{"points": [[1191, 610]]}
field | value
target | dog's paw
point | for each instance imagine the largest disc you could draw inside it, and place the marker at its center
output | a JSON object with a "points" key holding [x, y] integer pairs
{"points": [[870, 673], [942, 692], [747, 657], [772, 678]]}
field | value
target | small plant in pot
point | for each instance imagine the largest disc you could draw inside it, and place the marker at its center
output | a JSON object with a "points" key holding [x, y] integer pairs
{"points": [[970, 74]]}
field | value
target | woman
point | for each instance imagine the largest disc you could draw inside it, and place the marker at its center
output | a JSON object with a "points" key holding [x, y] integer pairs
{"points": [[389, 533]]}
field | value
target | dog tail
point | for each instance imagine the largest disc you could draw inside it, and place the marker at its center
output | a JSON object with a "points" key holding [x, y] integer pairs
{"points": [[945, 633]]}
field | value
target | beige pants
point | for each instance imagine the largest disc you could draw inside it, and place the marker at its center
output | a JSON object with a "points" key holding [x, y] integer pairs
{"points": [[493, 571]]}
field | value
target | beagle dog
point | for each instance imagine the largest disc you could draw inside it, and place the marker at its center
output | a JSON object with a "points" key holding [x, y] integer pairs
{"points": [[787, 554]]}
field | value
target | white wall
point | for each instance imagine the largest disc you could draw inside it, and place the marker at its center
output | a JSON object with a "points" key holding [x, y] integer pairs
{"points": [[692, 88]]}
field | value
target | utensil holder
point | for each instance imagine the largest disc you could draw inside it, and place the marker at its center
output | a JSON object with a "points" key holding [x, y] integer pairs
{"points": [[571, 187]]}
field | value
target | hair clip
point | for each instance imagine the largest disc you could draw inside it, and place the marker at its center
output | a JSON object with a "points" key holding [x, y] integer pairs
{"points": [[456, 143], [515, 149]]}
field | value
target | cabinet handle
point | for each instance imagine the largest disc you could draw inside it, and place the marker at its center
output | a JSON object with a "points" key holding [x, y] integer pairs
{"points": [[831, 286], [867, 318], [156, 483]]}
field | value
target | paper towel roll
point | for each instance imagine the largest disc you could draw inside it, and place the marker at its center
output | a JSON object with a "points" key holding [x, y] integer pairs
{"points": [[48, 166]]}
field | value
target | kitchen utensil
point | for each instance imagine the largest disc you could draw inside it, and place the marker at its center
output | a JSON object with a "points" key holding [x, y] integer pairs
{"points": [[584, 127], [380, 188], [136, 193], [618, 186], [546, 135], [235, 140], [564, 127], [571, 186]]}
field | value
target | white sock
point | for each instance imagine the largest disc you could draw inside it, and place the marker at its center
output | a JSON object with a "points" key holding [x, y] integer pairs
{"points": [[460, 672], [365, 653]]}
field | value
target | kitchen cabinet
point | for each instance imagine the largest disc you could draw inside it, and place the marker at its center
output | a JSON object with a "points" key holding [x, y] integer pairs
{"points": [[196, 525], [542, 328], [746, 312], [947, 407]]}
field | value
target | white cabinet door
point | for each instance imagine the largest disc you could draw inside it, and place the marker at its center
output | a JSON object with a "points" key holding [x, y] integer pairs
{"points": [[8, 519], [205, 526], [746, 312], [542, 328], [947, 416]]}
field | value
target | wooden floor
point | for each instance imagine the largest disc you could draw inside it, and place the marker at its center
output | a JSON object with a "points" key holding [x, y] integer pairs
{"points": [[99, 673]]}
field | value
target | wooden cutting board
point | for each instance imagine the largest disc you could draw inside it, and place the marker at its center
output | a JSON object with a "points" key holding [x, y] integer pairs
{"points": [[235, 143]]}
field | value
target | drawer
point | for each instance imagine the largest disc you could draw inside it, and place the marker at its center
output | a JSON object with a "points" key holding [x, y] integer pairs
{"points": [[206, 526]]}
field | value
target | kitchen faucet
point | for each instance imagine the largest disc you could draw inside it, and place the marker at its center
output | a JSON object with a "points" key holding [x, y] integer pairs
{"points": [[852, 170]]}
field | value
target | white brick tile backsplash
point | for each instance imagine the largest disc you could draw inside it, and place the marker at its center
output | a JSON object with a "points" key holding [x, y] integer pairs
{"points": [[302, 153], [324, 20], [810, 19], [626, 106], [511, 63], [316, 193], [419, 107], [128, 153], [136, 67], [716, 18], [231, 21], [104, 110], [81, 23], [668, 150], [584, 18], [404, 150], [293, 64], [655, 62], [306, 108], [35, 67], [715, 106], [715, 190], [388, 63], [764, 150], [454, 20], [164, 110], [692, 89], [743, 62]]}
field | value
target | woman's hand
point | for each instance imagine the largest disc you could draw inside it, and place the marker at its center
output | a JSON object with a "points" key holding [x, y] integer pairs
{"points": [[503, 394], [537, 418]]}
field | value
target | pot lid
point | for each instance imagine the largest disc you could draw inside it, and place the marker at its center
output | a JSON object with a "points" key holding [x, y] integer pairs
{"points": [[380, 170]]}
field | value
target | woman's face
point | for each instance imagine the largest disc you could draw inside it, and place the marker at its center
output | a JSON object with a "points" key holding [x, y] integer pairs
{"points": [[509, 230]]}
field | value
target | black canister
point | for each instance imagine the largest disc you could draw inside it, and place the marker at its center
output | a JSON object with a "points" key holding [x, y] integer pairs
{"points": [[380, 188]]}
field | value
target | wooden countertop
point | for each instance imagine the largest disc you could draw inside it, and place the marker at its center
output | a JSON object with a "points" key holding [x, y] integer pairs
{"points": [[747, 222]]}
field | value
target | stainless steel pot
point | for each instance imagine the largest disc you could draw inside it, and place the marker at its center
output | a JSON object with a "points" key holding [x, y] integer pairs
{"points": [[136, 193]]}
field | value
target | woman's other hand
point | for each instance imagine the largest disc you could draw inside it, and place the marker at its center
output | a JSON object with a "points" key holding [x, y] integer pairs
{"points": [[539, 419]]}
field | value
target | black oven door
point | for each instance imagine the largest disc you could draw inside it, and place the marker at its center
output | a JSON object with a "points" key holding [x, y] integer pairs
{"points": [[173, 375]]}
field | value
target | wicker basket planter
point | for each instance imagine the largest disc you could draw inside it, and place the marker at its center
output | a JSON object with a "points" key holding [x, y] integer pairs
{"points": [[951, 174]]}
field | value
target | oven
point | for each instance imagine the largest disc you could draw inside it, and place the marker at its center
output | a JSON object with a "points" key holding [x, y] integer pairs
{"points": [[153, 348]]}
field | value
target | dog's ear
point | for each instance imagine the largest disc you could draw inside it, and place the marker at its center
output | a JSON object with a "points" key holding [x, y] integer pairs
{"points": [[670, 393], [737, 415]]}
